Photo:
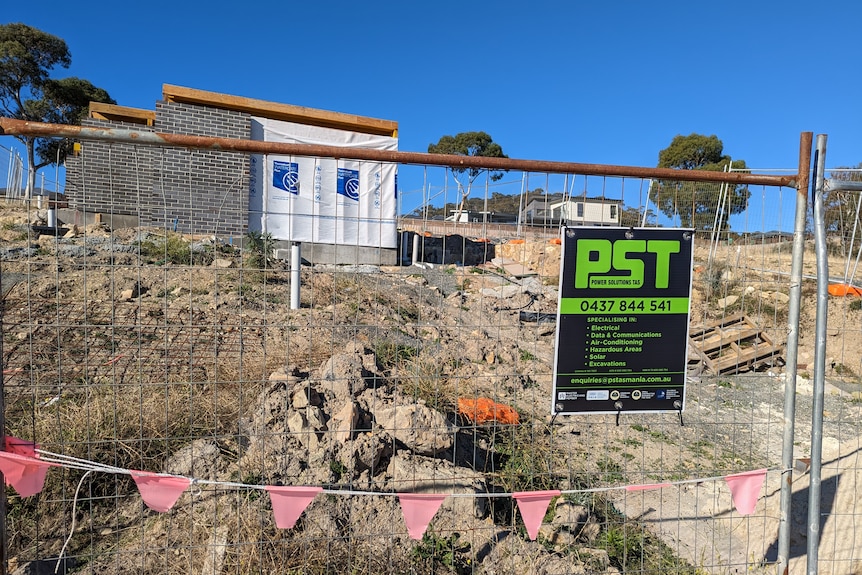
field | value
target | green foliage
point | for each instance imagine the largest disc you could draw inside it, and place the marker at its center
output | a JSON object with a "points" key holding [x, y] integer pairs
{"points": [[249, 479], [173, 249], [611, 471], [337, 469], [27, 56], [469, 144], [428, 380], [524, 459], [696, 203], [844, 370], [499, 203], [527, 355], [855, 305], [435, 554], [625, 546], [390, 354], [717, 280], [631, 547], [634, 217], [259, 250], [691, 152], [66, 101]]}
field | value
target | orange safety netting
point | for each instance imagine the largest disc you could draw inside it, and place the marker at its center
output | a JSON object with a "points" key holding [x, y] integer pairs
{"points": [[483, 410], [844, 289]]}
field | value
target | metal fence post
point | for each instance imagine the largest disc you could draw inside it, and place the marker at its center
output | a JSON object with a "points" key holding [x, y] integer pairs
{"points": [[819, 360], [3, 506], [793, 350]]}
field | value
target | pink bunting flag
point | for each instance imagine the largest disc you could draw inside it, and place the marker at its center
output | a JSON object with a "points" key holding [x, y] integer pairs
{"points": [[533, 505], [25, 474], [160, 492], [21, 447], [288, 503], [418, 510], [647, 486], [744, 488]]}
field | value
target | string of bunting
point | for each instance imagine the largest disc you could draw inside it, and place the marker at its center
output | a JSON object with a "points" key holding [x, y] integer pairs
{"points": [[25, 467]]}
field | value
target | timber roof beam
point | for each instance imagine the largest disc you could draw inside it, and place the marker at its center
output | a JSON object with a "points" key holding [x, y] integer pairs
{"points": [[276, 111]]}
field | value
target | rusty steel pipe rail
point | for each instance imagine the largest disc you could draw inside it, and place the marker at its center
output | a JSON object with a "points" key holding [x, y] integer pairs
{"points": [[14, 127]]}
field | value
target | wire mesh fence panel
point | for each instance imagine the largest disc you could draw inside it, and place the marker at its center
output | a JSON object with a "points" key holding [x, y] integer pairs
{"points": [[11, 174], [156, 332], [840, 543]]}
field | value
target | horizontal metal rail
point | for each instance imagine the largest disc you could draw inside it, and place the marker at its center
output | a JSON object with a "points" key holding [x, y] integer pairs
{"points": [[14, 127], [833, 185]]}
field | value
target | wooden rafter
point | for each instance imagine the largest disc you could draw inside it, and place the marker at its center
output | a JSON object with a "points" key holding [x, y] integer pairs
{"points": [[116, 113], [285, 112]]}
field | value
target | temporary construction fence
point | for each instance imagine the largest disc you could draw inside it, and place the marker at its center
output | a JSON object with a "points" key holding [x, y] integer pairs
{"points": [[13, 177], [11, 173], [194, 404]]}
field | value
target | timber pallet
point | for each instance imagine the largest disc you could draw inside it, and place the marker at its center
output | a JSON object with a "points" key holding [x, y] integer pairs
{"points": [[734, 344]]}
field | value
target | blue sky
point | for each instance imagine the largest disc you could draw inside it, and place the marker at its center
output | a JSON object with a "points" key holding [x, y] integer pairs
{"points": [[596, 82]]}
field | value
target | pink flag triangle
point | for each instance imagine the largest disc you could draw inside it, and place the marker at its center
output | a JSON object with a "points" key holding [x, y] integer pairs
{"points": [[533, 505], [744, 488], [288, 503], [20, 446], [418, 510], [160, 492], [25, 474]]}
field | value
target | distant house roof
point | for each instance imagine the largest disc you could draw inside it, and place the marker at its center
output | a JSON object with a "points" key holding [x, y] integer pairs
{"points": [[557, 199]]}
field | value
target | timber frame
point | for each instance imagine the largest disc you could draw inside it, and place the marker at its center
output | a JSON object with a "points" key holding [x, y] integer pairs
{"points": [[254, 107]]}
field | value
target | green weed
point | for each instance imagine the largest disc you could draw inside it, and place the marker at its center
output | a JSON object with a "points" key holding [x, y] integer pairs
{"points": [[390, 354], [174, 249], [435, 554], [526, 355], [631, 547]]}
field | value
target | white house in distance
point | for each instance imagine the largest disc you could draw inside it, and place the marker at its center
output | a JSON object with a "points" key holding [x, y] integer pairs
{"points": [[572, 211]]}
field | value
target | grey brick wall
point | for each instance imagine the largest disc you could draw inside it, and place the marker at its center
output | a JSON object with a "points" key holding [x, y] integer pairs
{"points": [[110, 178], [200, 191], [192, 191]]}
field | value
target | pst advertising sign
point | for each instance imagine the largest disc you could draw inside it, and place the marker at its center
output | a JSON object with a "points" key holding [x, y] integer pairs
{"points": [[622, 325]]}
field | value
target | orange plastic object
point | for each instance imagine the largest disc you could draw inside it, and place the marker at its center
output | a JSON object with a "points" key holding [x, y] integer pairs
{"points": [[844, 289], [555, 241], [516, 241], [483, 410]]}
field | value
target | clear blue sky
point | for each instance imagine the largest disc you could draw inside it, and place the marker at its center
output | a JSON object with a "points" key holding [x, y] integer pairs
{"points": [[598, 82]]}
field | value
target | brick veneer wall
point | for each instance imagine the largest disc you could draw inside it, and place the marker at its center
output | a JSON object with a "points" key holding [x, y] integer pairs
{"points": [[110, 178], [192, 191], [201, 191]]}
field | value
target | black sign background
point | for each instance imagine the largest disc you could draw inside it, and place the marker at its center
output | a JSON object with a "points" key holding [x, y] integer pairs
{"points": [[623, 349]]}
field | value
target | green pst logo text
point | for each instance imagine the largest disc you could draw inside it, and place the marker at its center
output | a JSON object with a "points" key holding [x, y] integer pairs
{"points": [[601, 256]]}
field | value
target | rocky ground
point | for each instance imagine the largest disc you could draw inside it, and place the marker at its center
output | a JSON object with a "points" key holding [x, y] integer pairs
{"points": [[174, 354]]}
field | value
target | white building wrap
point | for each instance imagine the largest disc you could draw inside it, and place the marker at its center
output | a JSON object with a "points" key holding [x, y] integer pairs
{"points": [[322, 200]]}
